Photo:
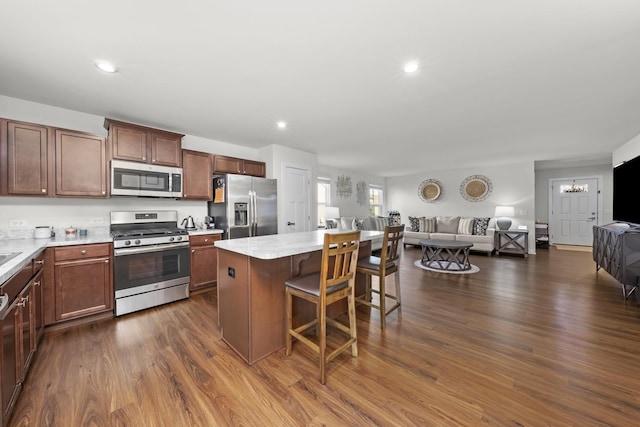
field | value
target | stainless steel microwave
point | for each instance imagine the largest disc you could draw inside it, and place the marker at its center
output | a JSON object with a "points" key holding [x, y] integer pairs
{"points": [[141, 179]]}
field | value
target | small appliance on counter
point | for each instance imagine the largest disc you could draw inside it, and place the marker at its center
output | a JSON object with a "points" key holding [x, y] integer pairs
{"points": [[209, 222], [188, 223], [43, 232]]}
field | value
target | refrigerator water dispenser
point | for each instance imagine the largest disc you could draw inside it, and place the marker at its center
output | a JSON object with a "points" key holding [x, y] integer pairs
{"points": [[240, 210]]}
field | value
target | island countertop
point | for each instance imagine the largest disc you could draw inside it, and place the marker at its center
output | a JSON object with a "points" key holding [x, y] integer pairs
{"points": [[281, 245]]}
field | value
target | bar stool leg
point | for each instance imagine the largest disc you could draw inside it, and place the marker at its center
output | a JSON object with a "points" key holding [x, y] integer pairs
{"points": [[383, 300], [397, 278]]}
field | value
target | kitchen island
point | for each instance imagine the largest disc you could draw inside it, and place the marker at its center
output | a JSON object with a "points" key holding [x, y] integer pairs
{"points": [[251, 295]]}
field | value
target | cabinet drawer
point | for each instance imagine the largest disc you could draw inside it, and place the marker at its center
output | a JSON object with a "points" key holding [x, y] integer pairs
{"points": [[83, 251], [203, 240]]}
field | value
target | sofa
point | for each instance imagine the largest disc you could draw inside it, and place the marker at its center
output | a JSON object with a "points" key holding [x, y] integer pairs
{"points": [[376, 223], [464, 229]]}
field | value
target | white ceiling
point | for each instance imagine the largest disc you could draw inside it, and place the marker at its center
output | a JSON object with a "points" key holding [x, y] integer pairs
{"points": [[501, 81]]}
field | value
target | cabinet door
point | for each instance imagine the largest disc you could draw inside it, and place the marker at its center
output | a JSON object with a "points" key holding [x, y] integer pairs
{"points": [[253, 168], [27, 159], [81, 167], [204, 261], [38, 304], [128, 143], [9, 357], [166, 149], [196, 169], [224, 164], [26, 336], [82, 287]]}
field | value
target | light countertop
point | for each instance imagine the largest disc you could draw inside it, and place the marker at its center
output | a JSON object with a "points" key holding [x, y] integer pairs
{"points": [[204, 231], [30, 248], [281, 245]]}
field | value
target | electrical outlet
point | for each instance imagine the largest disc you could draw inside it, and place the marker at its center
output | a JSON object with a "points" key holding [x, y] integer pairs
{"points": [[17, 223], [97, 220]]}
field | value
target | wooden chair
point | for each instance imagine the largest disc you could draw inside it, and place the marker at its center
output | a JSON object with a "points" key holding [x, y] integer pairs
{"points": [[334, 281], [381, 267]]}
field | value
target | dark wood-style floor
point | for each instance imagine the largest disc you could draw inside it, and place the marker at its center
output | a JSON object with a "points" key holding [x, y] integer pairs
{"points": [[538, 341]]}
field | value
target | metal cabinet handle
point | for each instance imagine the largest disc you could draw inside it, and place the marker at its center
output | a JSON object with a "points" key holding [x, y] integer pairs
{"points": [[36, 283], [193, 251], [106, 261], [39, 261], [206, 240], [44, 190], [291, 223], [83, 252]]}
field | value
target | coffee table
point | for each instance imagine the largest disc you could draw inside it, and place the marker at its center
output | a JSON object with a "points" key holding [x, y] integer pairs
{"points": [[445, 255]]}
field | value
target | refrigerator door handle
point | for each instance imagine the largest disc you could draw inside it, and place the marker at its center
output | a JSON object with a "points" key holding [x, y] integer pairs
{"points": [[253, 213]]}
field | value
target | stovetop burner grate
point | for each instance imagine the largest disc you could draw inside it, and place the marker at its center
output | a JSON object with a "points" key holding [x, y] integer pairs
{"points": [[148, 232]]}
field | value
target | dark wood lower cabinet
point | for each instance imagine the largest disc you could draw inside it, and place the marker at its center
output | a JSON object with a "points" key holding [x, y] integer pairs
{"points": [[83, 280], [204, 261], [19, 335]]}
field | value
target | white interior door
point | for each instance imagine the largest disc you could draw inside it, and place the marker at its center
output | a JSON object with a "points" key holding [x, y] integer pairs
{"points": [[574, 211], [296, 199]]}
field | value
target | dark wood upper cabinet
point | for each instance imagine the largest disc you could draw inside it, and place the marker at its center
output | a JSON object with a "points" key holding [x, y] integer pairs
{"points": [[137, 143], [81, 164], [27, 159], [225, 164], [254, 168], [196, 175]]}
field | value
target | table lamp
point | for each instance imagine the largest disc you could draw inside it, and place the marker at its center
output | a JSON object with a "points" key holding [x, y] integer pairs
{"points": [[503, 214], [331, 213]]}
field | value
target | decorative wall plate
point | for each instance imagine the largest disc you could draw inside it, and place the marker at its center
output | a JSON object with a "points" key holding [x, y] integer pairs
{"points": [[476, 188], [429, 190]]}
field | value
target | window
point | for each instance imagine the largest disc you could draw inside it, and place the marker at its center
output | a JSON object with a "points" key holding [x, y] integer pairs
{"points": [[324, 198], [376, 200]]}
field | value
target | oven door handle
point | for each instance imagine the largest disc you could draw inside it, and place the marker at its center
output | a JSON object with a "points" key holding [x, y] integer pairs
{"points": [[148, 249]]}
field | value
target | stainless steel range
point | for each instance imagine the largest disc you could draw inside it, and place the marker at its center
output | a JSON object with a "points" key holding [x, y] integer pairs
{"points": [[151, 259]]}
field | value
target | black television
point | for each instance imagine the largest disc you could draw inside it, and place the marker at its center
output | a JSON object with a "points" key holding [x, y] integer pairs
{"points": [[626, 191]]}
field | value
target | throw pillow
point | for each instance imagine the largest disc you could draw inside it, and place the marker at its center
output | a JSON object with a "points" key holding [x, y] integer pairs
{"points": [[427, 224], [465, 226], [358, 224], [381, 223], [346, 223], [480, 226], [414, 223], [447, 224]]}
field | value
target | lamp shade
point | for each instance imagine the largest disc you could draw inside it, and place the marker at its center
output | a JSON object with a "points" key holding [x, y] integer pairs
{"points": [[331, 212], [505, 211], [503, 214]]}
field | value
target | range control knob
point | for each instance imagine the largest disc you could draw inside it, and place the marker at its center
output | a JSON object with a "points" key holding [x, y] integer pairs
{"points": [[171, 239], [137, 242], [127, 242], [179, 238]]}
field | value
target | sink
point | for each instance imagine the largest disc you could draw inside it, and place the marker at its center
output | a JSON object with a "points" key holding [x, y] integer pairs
{"points": [[7, 256]]}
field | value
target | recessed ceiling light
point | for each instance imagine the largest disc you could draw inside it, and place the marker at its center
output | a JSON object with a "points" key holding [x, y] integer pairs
{"points": [[410, 67], [106, 66], [282, 125]]}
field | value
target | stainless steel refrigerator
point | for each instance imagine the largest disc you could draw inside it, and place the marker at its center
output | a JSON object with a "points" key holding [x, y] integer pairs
{"points": [[244, 206]]}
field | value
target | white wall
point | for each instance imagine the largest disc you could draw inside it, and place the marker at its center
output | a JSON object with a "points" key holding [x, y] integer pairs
{"points": [[513, 185], [542, 188], [277, 158], [349, 206], [627, 151]]}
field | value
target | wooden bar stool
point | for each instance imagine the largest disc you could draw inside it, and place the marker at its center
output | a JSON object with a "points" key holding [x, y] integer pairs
{"points": [[381, 267], [334, 281]]}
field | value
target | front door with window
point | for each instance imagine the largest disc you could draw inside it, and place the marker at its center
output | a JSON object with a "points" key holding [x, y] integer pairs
{"points": [[574, 211]]}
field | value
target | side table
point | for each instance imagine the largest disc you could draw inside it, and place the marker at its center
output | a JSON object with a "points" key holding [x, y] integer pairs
{"points": [[512, 241]]}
